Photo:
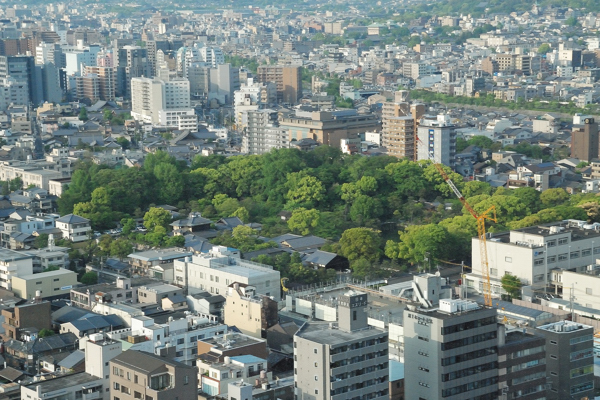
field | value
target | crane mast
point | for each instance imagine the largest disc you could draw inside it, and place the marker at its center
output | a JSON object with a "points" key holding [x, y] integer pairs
{"points": [[489, 214]]}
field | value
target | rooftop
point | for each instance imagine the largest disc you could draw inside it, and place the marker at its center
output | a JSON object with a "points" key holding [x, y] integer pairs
{"points": [[564, 327], [324, 332], [160, 255], [62, 382]]}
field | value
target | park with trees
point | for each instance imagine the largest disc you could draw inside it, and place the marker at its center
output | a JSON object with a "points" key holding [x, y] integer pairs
{"points": [[384, 214]]}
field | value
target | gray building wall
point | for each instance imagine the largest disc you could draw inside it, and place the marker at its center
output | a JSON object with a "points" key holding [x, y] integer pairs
{"points": [[332, 363], [447, 364], [567, 353]]}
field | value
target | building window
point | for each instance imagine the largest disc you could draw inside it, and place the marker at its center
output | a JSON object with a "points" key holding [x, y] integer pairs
{"points": [[551, 259], [588, 290], [508, 259], [574, 254], [551, 243], [563, 257], [315, 351], [563, 241]]}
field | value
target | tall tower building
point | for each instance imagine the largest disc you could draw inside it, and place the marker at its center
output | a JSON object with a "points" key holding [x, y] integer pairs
{"points": [[584, 140], [437, 140], [452, 351], [399, 126], [288, 80], [346, 360], [22, 69], [132, 62]]}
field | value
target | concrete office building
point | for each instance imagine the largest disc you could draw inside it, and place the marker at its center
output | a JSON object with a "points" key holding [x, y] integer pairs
{"points": [[224, 81], [452, 351], [288, 80], [522, 365], [584, 140], [131, 62], [569, 360], [327, 127], [437, 140], [22, 71], [48, 284], [215, 272], [347, 360], [532, 253]]}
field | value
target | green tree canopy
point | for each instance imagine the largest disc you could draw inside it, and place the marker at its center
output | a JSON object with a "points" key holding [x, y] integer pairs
{"points": [[89, 278], [361, 243]]}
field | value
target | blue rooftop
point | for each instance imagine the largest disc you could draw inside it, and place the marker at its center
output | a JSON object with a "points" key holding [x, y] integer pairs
{"points": [[396, 370], [248, 359]]}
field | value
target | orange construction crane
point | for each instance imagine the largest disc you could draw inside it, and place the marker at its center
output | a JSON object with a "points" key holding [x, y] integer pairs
{"points": [[489, 214]]}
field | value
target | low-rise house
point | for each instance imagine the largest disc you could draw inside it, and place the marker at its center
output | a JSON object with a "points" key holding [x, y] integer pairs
{"points": [[87, 296], [156, 263], [74, 227], [193, 223], [91, 323], [324, 259], [26, 355]]}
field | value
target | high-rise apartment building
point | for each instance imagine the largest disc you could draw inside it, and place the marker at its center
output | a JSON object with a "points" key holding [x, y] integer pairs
{"points": [[347, 360], [96, 83], [437, 140], [288, 80], [254, 139], [163, 102], [584, 140], [451, 352], [569, 360]]}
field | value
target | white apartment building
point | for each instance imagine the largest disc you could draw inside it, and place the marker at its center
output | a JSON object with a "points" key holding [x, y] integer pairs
{"points": [[215, 272], [75, 56], [532, 253], [14, 263], [38, 172], [181, 333], [437, 140], [256, 139], [251, 97], [163, 102]]}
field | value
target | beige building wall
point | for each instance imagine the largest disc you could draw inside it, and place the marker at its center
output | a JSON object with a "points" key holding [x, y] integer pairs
{"points": [[244, 313], [52, 283]]}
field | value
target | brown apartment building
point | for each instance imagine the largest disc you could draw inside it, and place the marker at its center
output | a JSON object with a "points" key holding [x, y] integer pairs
{"points": [[399, 126], [35, 314], [584, 140], [287, 78], [140, 375]]}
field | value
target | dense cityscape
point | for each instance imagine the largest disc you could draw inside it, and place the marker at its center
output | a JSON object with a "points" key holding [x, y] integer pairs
{"points": [[316, 200]]}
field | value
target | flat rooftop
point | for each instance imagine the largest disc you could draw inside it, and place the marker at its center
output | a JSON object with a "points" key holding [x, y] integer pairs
{"points": [[55, 384], [565, 327], [322, 332]]}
